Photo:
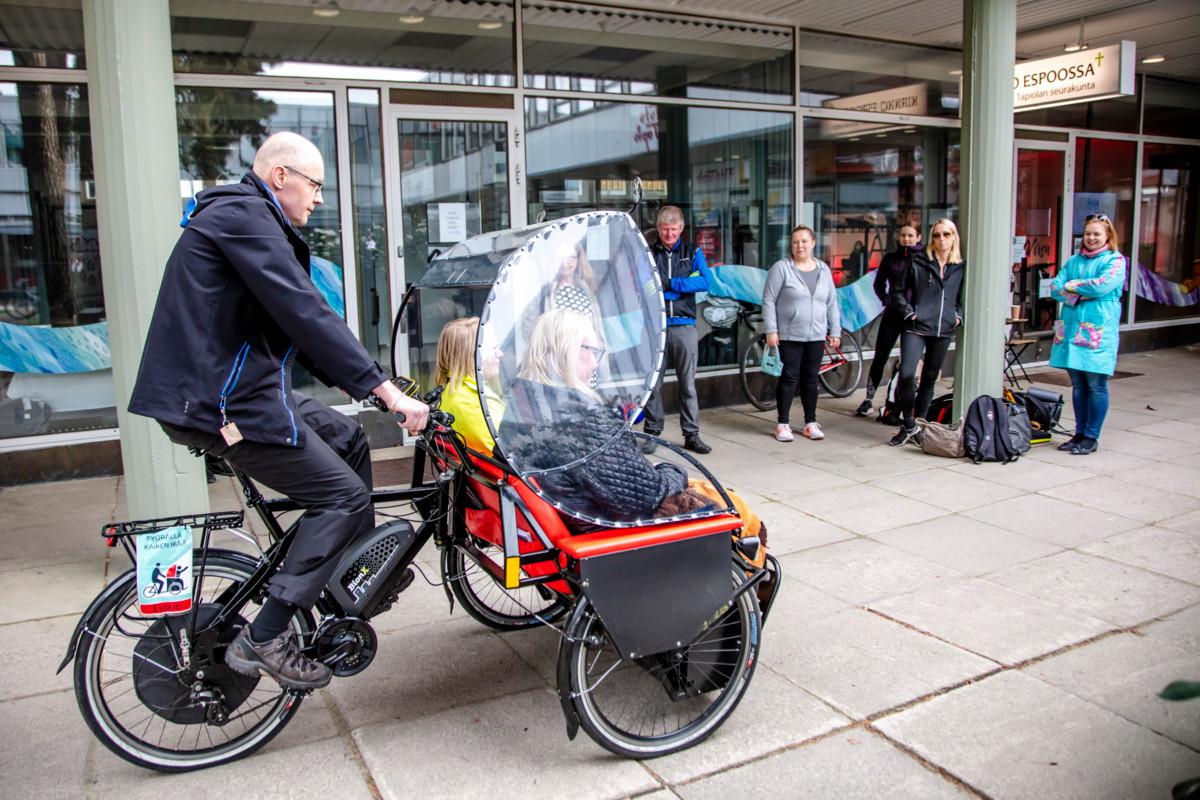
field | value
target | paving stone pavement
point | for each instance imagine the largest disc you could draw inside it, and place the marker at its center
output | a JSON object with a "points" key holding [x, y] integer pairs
{"points": [[944, 630]]}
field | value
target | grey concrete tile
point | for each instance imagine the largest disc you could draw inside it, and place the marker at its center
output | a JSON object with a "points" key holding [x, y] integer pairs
{"points": [[422, 670], [1171, 476], [420, 604], [1049, 519], [38, 544], [996, 622], [1171, 429], [1014, 736], [862, 664], [1160, 550], [1181, 629], [1103, 589], [799, 603], [33, 651], [510, 742], [1124, 674], [50, 591], [1145, 446], [856, 765], [1104, 461], [795, 483], [1028, 474], [865, 463], [1116, 495], [773, 714], [866, 509], [948, 489], [790, 530], [1188, 523], [965, 545], [538, 649], [47, 744], [1121, 419], [327, 768], [860, 571]]}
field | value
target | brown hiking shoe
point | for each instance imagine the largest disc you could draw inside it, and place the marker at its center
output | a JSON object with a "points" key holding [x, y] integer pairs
{"points": [[280, 658]]}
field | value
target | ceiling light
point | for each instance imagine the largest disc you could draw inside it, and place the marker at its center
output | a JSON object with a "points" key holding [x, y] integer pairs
{"points": [[956, 72], [326, 8], [736, 157], [1154, 59], [488, 25], [412, 19], [1078, 44], [855, 139]]}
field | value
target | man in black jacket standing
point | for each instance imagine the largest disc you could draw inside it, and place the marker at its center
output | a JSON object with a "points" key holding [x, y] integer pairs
{"points": [[236, 309]]}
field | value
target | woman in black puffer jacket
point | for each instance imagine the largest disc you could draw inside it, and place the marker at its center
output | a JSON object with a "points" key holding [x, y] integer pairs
{"points": [[891, 324]]}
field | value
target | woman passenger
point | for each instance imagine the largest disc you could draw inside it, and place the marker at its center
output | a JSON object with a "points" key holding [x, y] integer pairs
{"points": [[461, 394]]}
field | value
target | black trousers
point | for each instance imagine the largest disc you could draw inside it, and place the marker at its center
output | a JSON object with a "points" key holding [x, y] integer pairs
{"points": [[330, 476], [885, 339], [801, 362], [912, 347]]}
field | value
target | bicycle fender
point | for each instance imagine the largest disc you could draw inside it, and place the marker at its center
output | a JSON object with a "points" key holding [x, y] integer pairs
{"points": [[117, 586], [563, 675]]}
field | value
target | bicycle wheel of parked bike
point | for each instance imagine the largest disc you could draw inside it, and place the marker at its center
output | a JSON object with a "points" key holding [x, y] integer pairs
{"points": [[758, 385], [490, 603], [842, 380], [157, 706], [663, 703]]}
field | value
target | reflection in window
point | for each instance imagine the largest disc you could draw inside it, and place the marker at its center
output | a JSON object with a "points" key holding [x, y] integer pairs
{"points": [[456, 42], [574, 47], [41, 35], [220, 130], [370, 223], [730, 172], [1171, 109], [1168, 247], [53, 333], [1104, 175]]}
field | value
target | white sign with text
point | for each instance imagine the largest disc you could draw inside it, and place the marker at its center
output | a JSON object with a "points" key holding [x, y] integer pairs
{"points": [[1083, 76]]}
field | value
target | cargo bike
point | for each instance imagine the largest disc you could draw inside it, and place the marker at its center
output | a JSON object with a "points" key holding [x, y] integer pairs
{"points": [[659, 615]]}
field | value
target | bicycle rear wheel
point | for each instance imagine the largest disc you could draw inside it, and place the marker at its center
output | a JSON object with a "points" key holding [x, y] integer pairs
{"points": [[758, 386], [490, 603], [842, 380], [136, 687]]}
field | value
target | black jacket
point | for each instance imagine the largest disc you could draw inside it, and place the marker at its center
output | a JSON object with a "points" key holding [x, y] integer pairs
{"points": [[890, 274], [549, 426], [929, 303], [236, 309]]}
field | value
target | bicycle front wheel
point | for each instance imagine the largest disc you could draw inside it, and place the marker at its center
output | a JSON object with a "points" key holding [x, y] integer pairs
{"points": [[163, 703], [758, 386], [490, 603], [840, 378]]}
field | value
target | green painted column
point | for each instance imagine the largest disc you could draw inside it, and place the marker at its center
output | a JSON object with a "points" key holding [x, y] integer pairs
{"points": [[131, 94], [985, 187]]}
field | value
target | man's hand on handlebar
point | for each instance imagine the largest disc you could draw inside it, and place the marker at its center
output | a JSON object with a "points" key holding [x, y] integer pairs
{"points": [[413, 414]]}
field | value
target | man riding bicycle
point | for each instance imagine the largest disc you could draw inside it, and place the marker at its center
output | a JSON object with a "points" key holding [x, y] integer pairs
{"points": [[236, 309]]}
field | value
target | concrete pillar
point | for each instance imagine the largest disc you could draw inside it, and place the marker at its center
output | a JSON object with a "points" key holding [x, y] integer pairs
{"points": [[135, 148], [985, 187]]}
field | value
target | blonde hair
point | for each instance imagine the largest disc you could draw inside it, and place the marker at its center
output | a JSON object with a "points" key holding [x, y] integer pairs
{"points": [[553, 348], [583, 275], [1108, 226], [955, 251], [456, 352]]}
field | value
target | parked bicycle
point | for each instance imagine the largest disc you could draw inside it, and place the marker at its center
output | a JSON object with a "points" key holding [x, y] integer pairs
{"points": [[840, 371]]}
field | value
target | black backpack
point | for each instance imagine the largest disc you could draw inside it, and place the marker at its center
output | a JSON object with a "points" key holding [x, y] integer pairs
{"points": [[988, 434], [1045, 410]]}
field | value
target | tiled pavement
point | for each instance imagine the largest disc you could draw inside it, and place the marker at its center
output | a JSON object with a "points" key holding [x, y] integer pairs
{"points": [[945, 630]]}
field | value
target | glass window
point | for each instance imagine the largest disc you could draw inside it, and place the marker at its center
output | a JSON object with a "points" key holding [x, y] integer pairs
{"points": [[220, 129], [460, 42], [55, 370], [1171, 109], [38, 34], [730, 172], [1104, 176], [1168, 259], [1119, 114], [630, 52], [370, 223], [846, 73]]}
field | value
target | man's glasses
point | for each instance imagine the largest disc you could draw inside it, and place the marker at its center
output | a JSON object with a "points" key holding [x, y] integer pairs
{"points": [[597, 352], [1097, 217], [318, 185]]}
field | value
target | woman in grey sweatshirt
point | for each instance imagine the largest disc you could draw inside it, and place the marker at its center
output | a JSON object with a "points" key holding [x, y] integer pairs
{"points": [[800, 313]]}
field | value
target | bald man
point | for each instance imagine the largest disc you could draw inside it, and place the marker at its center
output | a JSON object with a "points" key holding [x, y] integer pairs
{"points": [[237, 308]]}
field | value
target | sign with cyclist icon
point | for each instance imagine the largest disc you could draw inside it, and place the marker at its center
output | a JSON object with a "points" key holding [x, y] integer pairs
{"points": [[164, 571]]}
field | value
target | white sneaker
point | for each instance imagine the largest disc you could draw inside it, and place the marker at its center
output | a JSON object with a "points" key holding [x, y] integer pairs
{"points": [[783, 432], [813, 431]]}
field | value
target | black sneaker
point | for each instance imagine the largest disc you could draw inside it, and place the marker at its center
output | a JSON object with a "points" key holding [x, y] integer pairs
{"points": [[864, 408], [903, 435], [648, 446], [694, 444], [1087, 445], [280, 658]]}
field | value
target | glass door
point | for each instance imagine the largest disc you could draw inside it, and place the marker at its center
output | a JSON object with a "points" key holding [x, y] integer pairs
{"points": [[1037, 231], [452, 179]]}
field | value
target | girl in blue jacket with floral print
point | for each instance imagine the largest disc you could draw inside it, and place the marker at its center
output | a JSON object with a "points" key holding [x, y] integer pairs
{"points": [[1086, 334]]}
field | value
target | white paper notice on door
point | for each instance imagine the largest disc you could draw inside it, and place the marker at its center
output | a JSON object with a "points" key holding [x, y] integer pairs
{"points": [[597, 243], [452, 222]]}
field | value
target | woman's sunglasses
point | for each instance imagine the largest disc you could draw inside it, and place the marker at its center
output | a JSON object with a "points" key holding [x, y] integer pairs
{"points": [[1098, 217]]}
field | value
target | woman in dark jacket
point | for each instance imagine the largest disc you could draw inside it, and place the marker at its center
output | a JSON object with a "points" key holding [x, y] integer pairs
{"points": [[929, 299], [891, 323]]}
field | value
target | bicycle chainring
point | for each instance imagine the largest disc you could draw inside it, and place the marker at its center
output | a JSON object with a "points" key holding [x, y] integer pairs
{"points": [[347, 645]]}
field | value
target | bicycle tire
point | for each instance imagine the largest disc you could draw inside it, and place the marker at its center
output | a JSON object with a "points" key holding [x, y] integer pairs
{"points": [[758, 387], [489, 603], [729, 648], [842, 381], [98, 692]]}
